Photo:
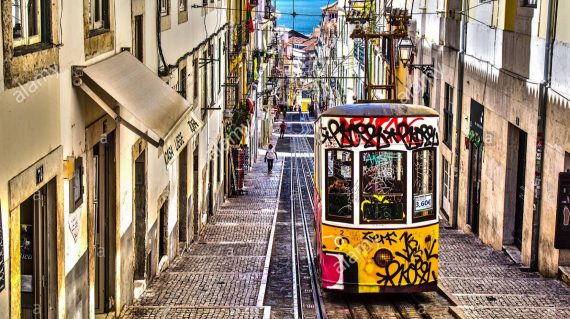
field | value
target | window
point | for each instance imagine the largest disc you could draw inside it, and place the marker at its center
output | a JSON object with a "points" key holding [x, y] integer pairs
{"points": [[423, 184], [182, 5], [446, 178], [138, 35], [99, 14], [205, 85], [27, 21], [196, 83], [219, 65], [182, 82], [383, 187], [339, 186], [212, 77], [164, 7], [529, 3], [448, 114]]}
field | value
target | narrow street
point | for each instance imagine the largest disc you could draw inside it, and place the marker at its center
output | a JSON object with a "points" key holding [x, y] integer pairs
{"points": [[221, 275]]}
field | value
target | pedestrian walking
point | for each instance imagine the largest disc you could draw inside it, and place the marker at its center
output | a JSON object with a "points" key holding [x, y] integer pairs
{"points": [[270, 156], [282, 129]]}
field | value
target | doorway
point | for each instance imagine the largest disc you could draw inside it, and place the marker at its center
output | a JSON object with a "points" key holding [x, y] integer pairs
{"points": [[104, 169], [183, 198], [211, 183], [475, 165], [38, 247], [140, 195], [163, 231], [515, 187], [196, 209]]}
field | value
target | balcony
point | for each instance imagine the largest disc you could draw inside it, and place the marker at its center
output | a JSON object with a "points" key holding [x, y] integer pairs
{"points": [[359, 11], [237, 41]]}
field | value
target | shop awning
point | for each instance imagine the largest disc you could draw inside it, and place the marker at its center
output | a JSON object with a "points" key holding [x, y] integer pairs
{"points": [[146, 99]]}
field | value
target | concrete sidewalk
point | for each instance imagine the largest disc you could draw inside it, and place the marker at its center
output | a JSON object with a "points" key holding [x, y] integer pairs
{"points": [[223, 274], [486, 283]]}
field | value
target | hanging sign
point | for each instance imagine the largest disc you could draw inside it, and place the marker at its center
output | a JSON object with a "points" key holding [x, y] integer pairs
{"points": [[182, 133], [562, 234]]}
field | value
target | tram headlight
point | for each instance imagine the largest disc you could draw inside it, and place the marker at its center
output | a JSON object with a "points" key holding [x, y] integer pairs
{"points": [[383, 257]]}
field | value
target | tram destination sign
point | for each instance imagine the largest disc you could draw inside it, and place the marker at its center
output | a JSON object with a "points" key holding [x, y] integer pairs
{"points": [[423, 202], [562, 235], [178, 137]]}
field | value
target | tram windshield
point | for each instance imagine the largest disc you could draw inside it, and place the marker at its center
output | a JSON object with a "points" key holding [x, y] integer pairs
{"points": [[383, 187], [423, 177], [339, 185]]}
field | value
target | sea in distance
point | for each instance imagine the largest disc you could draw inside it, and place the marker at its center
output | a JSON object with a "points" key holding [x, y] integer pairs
{"points": [[303, 23]]}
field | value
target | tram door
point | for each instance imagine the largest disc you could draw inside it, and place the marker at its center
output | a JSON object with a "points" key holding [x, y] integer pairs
{"points": [[104, 222]]}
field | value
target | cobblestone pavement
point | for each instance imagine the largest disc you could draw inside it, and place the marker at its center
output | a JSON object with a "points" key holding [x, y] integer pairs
{"points": [[488, 284], [220, 275]]}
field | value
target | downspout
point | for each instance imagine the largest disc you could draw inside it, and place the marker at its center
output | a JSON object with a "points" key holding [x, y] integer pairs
{"points": [[459, 116], [540, 135]]}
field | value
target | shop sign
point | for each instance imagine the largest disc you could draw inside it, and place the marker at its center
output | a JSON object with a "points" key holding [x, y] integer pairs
{"points": [[182, 133]]}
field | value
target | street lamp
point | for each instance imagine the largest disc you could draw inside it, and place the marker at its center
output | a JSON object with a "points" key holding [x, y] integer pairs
{"points": [[406, 49]]}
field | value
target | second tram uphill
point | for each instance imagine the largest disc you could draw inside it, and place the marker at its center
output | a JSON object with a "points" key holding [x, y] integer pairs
{"points": [[376, 213]]}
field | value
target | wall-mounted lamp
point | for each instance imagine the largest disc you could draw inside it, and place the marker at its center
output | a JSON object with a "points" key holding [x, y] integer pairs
{"points": [[406, 50]]}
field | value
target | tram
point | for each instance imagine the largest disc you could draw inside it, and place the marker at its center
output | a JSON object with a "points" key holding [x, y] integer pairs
{"points": [[376, 213]]}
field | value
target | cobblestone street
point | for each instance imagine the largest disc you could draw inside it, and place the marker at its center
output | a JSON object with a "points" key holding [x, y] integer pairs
{"points": [[221, 274], [487, 284]]}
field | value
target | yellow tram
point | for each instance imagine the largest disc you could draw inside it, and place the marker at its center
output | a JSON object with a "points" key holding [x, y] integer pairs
{"points": [[376, 213]]}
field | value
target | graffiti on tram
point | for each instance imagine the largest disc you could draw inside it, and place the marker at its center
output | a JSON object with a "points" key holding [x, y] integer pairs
{"points": [[380, 132], [349, 257]]}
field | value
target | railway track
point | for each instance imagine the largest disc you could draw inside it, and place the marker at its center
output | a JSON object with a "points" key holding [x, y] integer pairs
{"points": [[310, 301]]}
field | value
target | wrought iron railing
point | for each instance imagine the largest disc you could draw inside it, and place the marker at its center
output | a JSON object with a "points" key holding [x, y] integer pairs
{"points": [[359, 11]]}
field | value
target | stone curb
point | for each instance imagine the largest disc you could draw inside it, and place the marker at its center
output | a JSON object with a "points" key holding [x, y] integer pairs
{"points": [[455, 309]]}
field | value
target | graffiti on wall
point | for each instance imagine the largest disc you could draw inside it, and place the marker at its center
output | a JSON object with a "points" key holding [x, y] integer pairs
{"points": [[380, 132]]}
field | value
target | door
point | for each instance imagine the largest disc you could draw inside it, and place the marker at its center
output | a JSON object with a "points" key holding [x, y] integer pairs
{"points": [[520, 192], [211, 184], [475, 160], [475, 164], [104, 222], [140, 217], [183, 197], [163, 231], [38, 257], [196, 210]]}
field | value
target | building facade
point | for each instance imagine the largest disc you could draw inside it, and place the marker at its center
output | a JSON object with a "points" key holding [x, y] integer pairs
{"points": [[115, 144], [497, 74]]}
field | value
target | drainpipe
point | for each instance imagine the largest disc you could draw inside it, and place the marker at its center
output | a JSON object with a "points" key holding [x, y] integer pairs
{"points": [[540, 136], [459, 116]]}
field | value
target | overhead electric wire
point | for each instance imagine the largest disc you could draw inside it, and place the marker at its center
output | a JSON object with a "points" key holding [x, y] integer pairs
{"points": [[294, 13]]}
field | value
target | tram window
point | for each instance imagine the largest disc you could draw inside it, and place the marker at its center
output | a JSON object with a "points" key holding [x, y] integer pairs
{"points": [[383, 187], [423, 177], [339, 185]]}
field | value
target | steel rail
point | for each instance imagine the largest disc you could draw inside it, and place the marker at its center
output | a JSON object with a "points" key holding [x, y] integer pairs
{"points": [[300, 170]]}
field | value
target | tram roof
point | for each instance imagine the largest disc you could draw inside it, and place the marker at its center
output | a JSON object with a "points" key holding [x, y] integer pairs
{"points": [[379, 110]]}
